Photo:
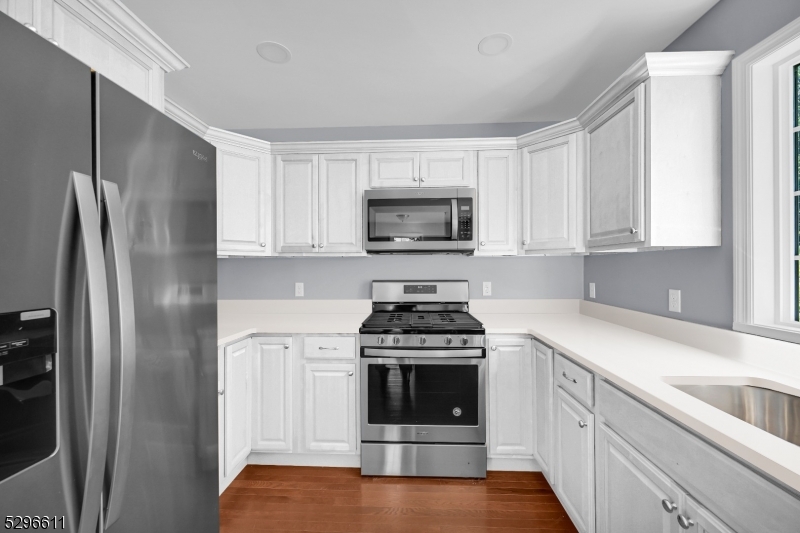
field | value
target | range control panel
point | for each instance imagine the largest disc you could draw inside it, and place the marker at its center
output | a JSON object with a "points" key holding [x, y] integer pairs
{"points": [[465, 209]]}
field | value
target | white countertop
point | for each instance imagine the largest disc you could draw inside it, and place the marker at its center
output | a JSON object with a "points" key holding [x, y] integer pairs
{"points": [[635, 361]]}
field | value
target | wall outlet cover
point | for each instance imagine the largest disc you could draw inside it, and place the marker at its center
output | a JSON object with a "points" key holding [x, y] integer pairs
{"points": [[592, 292], [298, 289], [675, 300], [487, 288]]}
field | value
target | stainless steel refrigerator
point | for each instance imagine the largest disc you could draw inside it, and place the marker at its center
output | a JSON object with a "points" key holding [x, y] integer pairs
{"points": [[108, 289]]}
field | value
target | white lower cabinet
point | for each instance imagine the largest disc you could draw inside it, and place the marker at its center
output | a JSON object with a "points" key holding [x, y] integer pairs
{"points": [[701, 520], [574, 464], [272, 394], [543, 408], [237, 404], [510, 417], [329, 407]]}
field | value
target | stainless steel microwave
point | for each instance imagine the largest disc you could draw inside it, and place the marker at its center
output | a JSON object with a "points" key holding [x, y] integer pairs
{"points": [[405, 221]]}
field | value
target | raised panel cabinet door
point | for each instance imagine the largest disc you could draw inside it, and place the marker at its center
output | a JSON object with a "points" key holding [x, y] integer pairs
{"points": [[574, 464], [330, 407], [237, 404], [341, 182], [616, 169], [296, 203], [549, 188], [241, 209], [543, 408], [272, 393], [632, 494], [451, 168], [510, 397], [497, 198], [221, 412], [394, 169], [702, 520]]}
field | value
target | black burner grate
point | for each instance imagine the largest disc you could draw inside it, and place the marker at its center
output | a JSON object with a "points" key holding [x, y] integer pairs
{"points": [[421, 320]]}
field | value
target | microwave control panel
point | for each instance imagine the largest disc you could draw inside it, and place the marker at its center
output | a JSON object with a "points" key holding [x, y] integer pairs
{"points": [[465, 219]]}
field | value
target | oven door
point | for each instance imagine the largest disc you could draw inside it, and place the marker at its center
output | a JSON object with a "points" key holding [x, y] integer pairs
{"points": [[433, 396]]}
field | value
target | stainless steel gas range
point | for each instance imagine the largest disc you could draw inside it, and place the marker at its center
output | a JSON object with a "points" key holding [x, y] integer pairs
{"points": [[423, 382]]}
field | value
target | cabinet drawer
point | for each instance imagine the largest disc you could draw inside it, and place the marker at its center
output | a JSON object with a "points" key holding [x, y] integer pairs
{"points": [[329, 347], [575, 379]]}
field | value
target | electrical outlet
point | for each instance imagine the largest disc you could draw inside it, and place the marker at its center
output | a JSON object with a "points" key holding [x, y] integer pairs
{"points": [[592, 293], [298, 289], [487, 288], [675, 300]]}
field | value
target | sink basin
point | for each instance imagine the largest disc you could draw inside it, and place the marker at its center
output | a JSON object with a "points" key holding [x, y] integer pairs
{"points": [[775, 412]]}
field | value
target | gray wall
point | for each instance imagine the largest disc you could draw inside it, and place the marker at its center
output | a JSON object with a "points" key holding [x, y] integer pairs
{"points": [[349, 278], [704, 276], [382, 133]]}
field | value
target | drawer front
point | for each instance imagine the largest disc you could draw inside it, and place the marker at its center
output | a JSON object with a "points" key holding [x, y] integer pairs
{"points": [[329, 347], [575, 379], [743, 499]]}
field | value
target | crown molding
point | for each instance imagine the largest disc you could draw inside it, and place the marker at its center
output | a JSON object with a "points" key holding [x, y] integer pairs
{"points": [[407, 145], [184, 118], [218, 136], [657, 64], [122, 20], [550, 132]]}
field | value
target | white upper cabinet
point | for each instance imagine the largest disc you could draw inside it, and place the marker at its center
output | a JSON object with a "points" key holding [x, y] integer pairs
{"points": [[550, 195], [450, 168], [341, 181], [296, 201], [243, 194], [394, 169], [510, 417], [497, 202]]}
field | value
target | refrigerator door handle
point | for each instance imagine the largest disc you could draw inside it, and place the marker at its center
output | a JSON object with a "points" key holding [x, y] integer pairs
{"points": [[127, 353], [100, 328]]}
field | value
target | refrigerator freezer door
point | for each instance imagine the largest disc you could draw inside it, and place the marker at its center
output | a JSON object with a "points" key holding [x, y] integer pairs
{"points": [[166, 180]]}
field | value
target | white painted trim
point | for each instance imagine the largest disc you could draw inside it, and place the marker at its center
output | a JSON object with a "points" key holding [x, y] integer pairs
{"points": [[407, 145], [750, 221], [550, 132], [184, 118], [225, 482], [513, 464], [217, 136], [332, 459]]}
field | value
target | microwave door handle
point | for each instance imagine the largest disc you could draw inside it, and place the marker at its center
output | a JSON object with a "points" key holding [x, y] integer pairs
{"points": [[100, 326], [127, 352], [454, 221]]}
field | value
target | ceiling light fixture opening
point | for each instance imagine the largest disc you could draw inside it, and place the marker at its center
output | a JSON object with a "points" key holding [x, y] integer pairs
{"points": [[495, 44], [274, 52]]}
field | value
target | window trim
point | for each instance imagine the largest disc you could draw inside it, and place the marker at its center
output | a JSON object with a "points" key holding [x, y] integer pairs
{"points": [[763, 111]]}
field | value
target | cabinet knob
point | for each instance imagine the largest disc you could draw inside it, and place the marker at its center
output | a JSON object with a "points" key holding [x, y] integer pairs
{"points": [[286, 346], [483, 243], [53, 41], [31, 27], [524, 243], [633, 231], [263, 245], [221, 392], [423, 179], [668, 505], [321, 246], [349, 373], [415, 178], [685, 522], [581, 424], [494, 348]]}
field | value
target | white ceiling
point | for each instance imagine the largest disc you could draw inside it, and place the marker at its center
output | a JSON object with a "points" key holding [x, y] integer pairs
{"points": [[404, 62]]}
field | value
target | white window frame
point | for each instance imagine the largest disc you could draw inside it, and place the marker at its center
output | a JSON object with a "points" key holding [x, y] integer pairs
{"points": [[763, 187]]}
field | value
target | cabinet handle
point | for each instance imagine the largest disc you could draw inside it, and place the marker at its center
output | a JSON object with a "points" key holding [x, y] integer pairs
{"points": [[483, 243], [575, 381], [286, 346], [581, 424], [263, 245], [327, 348], [494, 348], [221, 392], [633, 231], [349, 373], [685, 522], [668, 505]]}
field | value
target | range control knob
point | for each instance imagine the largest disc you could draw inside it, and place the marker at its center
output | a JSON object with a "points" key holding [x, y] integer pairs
{"points": [[396, 341], [381, 340], [422, 341], [464, 341], [448, 341]]}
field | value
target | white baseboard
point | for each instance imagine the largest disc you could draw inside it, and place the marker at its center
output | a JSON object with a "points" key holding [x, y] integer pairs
{"points": [[305, 459], [513, 464], [225, 482]]}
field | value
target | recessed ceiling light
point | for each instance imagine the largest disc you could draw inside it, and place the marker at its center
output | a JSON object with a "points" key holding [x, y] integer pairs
{"points": [[274, 52], [494, 44]]}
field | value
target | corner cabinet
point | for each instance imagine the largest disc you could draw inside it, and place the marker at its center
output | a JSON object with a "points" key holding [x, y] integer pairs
{"points": [[448, 168], [510, 418], [318, 203], [237, 406], [243, 194], [497, 202]]}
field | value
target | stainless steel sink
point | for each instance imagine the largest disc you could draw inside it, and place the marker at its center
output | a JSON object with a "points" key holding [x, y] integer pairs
{"points": [[775, 412]]}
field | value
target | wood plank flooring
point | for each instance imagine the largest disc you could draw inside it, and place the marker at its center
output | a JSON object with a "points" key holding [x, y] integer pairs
{"points": [[339, 500]]}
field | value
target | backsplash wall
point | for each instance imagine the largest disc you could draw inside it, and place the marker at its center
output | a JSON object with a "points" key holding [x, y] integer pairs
{"points": [[349, 278]]}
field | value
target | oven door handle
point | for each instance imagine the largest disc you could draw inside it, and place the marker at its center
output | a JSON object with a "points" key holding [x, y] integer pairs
{"points": [[475, 353]]}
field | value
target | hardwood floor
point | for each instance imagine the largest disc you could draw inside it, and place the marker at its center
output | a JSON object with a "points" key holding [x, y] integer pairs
{"points": [[339, 500]]}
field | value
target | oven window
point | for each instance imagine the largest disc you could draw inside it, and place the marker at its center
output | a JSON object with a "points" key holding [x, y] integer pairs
{"points": [[419, 220], [423, 395]]}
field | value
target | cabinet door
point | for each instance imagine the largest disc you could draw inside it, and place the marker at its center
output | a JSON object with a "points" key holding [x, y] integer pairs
{"points": [[497, 199], [549, 194], [221, 412], [272, 393], [341, 179], [632, 494], [237, 404], [330, 407], [510, 399], [452, 168], [394, 169], [543, 408], [296, 203], [574, 465], [242, 202], [704, 520], [616, 166]]}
